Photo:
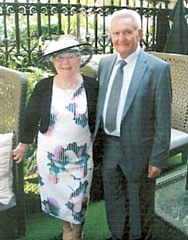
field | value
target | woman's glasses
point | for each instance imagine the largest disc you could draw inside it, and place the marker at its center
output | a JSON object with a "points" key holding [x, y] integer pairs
{"points": [[61, 58]]}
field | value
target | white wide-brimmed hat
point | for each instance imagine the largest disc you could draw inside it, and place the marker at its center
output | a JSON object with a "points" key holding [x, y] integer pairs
{"points": [[65, 44]]}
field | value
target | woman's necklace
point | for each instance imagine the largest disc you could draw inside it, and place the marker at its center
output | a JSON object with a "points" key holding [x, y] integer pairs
{"points": [[71, 90]]}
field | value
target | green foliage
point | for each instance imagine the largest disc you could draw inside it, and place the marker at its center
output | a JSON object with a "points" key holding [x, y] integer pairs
{"points": [[34, 75], [31, 185]]}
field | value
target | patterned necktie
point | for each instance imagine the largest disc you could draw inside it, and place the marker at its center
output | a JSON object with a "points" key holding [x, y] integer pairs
{"points": [[113, 101]]}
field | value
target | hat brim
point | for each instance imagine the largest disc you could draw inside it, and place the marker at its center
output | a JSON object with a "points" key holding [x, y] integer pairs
{"points": [[85, 50]]}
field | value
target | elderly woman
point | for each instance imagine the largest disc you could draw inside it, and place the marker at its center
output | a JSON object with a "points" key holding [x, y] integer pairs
{"points": [[63, 107]]}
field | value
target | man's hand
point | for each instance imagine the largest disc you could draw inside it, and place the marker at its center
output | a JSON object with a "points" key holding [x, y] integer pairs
{"points": [[154, 172]]}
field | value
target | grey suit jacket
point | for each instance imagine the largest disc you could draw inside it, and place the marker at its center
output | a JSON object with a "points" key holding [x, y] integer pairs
{"points": [[146, 122]]}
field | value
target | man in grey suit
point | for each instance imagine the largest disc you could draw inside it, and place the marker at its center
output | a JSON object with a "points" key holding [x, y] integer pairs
{"points": [[136, 150]]}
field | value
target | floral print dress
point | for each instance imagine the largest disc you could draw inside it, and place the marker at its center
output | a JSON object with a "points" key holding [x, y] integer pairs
{"points": [[64, 157]]}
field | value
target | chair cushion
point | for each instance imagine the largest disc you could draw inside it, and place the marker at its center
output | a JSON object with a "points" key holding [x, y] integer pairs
{"points": [[178, 138], [6, 178]]}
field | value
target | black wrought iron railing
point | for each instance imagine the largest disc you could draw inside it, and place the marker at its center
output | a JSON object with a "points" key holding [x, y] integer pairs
{"points": [[26, 24]]}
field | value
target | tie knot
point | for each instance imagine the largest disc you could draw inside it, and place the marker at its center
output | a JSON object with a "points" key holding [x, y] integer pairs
{"points": [[122, 63]]}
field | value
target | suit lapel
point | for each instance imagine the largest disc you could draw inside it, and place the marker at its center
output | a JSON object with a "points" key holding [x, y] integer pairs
{"points": [[137, 76]]}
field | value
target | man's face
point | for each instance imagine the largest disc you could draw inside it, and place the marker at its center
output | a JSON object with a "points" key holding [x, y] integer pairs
{"points": [[125, 37]]}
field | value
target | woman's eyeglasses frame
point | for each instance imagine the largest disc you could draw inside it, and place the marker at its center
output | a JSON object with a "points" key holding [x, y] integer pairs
{"points": [[62, 57]]}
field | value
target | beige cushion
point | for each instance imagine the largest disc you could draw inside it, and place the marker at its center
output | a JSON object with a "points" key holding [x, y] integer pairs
{"points": [[6, 178]]}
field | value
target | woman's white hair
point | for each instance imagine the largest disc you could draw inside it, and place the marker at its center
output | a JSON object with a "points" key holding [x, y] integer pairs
{"points": [[126, 13]]}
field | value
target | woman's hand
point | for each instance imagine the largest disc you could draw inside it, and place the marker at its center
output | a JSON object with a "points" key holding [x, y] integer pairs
{"points": [[19, 152]]}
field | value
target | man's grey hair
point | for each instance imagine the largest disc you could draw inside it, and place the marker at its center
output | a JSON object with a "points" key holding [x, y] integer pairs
{"points": [[126, 13]]}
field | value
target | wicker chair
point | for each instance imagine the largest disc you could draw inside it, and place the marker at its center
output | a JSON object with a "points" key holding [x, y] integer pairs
{"points": [[179, 71], [13, 91]]}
